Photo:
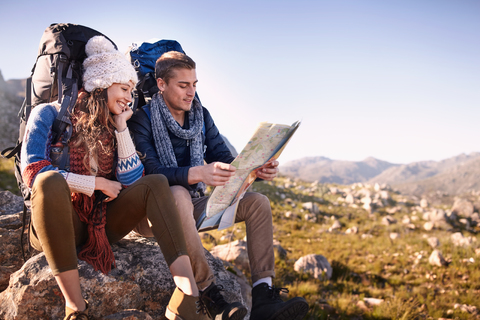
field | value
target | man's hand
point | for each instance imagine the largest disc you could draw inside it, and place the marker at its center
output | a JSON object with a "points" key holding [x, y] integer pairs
{"points": [[268, 171], [213, 174]]}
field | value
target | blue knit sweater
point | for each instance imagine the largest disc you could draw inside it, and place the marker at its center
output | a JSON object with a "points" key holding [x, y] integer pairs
{"points": [[37, 148]]}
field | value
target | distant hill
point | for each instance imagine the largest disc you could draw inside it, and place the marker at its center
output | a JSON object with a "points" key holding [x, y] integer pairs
{"points": [[326, 170], [417, 171], [451, 176], [456, 179]]}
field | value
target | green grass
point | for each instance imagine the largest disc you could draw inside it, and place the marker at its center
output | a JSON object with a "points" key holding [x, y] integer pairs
{"points": [[7, 176], [370, 267]]}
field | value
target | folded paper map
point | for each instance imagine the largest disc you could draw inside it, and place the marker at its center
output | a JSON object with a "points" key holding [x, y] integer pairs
{"points": [[267, 143]]}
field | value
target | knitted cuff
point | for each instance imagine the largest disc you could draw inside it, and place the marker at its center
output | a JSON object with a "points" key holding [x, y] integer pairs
{"points": [[80, 183], [125, 144]]}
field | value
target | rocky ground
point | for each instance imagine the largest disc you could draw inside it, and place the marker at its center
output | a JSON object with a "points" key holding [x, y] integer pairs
{"points": [[354, 252]]}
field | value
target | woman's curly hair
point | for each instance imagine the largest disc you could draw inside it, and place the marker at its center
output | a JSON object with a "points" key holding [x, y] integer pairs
{"points": [[93, 124]]}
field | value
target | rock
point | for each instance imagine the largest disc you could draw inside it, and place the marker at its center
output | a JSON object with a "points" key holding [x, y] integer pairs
{"points": [[315, 264], [140, 281], [393, 210], [436, 259], [388, 220], [291, 215], [435, 215], [235, 252], [394, 235], [428, 225], [465, 222], [384, 195], [424, 203], [11, 259], [466, 308], [475, 217], [373, 301], [240, 278], [352, 230], [334, 190], [9, 204], [368, 207], [463, 207], [335, 226], [411, 226], [349, 198], [433, 242], [459, 240], [310, 206], [129, 315], [310, 217]]}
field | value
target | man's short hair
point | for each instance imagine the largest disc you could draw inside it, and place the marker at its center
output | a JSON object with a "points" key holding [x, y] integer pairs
{"points": [[172, 60]]}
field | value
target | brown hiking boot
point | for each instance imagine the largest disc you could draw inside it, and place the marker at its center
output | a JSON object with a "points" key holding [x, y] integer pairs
{"points": [[267, 305], [77, 315], [218, 308], [184, 307]]}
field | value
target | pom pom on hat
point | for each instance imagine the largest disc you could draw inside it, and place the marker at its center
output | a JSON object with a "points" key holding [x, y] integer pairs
{"points": [[105, 65]]}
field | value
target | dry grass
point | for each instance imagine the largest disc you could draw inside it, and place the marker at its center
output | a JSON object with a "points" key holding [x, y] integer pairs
{"points": [[369, 264]]}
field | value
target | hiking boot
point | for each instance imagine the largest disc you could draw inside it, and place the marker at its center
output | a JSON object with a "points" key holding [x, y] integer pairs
{"points": [[267, 305], [218, 308], [185, 307], [77, 315]]}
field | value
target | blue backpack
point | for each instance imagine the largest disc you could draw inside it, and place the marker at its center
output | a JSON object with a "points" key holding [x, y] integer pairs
{"points": [[143, 58]]}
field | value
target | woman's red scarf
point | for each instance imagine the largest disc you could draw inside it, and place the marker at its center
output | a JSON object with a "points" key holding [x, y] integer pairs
{"points": [[97, 250]]}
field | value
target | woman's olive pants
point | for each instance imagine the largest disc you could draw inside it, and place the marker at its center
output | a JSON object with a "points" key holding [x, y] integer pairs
{"points": [[57, 230]]}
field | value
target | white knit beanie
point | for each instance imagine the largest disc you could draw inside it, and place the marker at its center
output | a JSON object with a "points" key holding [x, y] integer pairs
{"points": [[105, 65]]}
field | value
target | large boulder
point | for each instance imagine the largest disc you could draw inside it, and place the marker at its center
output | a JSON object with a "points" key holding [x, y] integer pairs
{"points": [[463, 207], [140, 281], [235, 252], [315, 264], [11, 259]]}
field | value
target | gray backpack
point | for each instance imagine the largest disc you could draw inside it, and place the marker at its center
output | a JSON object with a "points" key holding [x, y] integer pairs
{"points": [[56, 76]]}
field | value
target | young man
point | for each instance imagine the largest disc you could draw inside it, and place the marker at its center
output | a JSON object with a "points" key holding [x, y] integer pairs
{"points": [[175, 135]]}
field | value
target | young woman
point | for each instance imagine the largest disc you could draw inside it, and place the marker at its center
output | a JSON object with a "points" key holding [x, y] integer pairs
{"points": [[103, 195]]}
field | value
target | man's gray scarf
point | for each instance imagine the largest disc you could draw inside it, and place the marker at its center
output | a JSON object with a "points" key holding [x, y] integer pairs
{"points": [[163, 121]]}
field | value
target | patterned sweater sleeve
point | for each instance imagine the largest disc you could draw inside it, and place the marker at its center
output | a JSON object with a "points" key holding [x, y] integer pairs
{"points": [[129, 166], [36, 147]]}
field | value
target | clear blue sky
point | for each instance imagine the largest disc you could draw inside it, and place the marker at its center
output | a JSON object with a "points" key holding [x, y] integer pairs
{"points": [[396, 80]]}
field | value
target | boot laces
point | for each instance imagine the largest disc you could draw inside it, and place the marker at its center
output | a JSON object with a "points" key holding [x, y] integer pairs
{"points": [[214, 297], [201, 307], [275, 292]]}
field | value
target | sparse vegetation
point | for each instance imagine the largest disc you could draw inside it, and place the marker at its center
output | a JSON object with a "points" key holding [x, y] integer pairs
{"points": [[369, 264], [7, 177], [366, 264]]}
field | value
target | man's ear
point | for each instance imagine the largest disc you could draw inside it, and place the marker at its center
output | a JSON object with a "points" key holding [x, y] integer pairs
{"points": [[160, 84]]}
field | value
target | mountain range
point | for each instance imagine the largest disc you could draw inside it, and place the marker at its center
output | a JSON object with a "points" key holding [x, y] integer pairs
{"points": [[451, 176]]}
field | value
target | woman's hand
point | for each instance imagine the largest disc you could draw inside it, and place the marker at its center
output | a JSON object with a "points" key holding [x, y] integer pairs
{"points": [[121, 119], [109, 187]]}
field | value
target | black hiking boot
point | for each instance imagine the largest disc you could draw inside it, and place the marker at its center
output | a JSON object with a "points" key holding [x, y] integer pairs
{"points": [[218, 308], [267, 305]]}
